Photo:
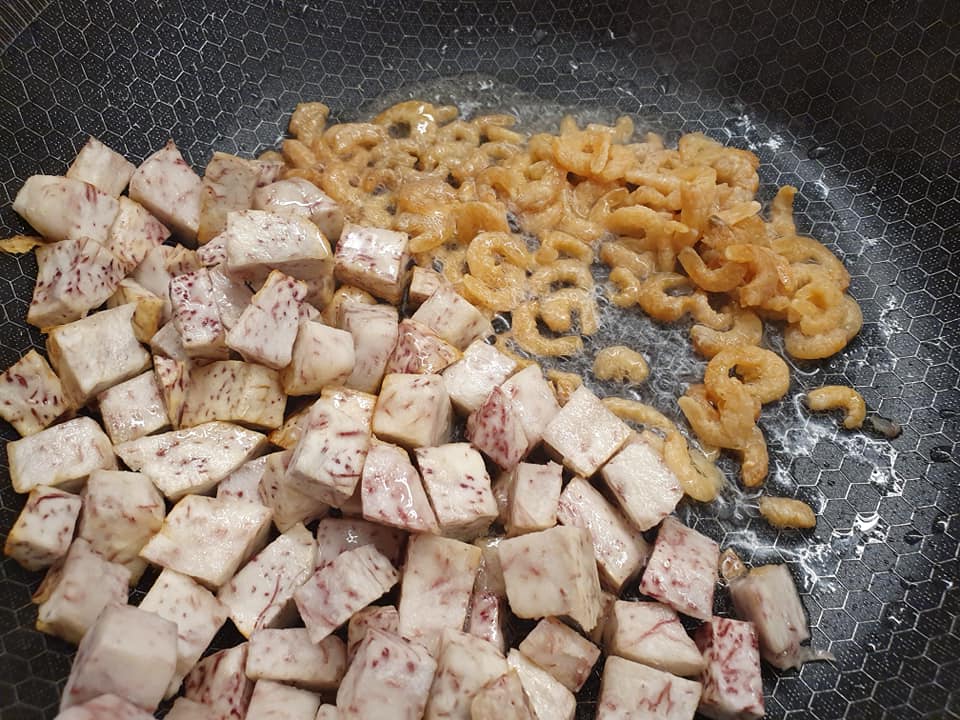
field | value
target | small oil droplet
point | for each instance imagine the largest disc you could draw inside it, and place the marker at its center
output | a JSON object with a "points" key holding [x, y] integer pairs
{"points": [[539, 35], [817, 152]]}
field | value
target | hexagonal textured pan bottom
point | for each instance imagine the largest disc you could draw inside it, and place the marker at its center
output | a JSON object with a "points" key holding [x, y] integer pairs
{"points": [[855, 103]]}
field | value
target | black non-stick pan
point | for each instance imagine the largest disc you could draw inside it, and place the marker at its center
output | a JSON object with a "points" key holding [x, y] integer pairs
{"points": [[855, 102]]}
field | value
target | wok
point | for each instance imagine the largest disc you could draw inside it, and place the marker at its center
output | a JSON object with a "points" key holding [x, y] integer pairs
{"points": [[855, 103]]}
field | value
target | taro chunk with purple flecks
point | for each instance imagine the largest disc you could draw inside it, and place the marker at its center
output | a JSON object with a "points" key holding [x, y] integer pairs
{"points": [[548, 697], [420, 351], [133, 408], [95, 353], [585, 433], [379, 617], [387, 672], [630, 691], [234, 391], [391, 491], [104, 168], [470, 379], [533, 497], [121, 511], [298, 197], [336, 536], [374, 329], [276, 701], [220, 682], [289, 656], [31, 396], [322, 355], [61, 208], [261, 594], [456, 480], [129, 652], [42, 532], [278, 492], [562, 652], [73, 277], [60, 456], [534, 400], [197, 614], [732, 688], [113, 707], [413, 411], [652, 634], [435, 591], [373, 259], [453, 318], [134, 233], [334, 593], [496, 429], [646, 489], [682, 571], [267, 328], [465, 665], [502, 699], [196, 315], [228, 185], [166, 186], [69, 602], [229, 531]]}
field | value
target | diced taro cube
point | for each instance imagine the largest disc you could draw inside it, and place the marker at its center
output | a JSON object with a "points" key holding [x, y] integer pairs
{"points": [[374, 329], [172, 377], [166, 186], [148, 308], [219, 681], [732, 688], [619, 548], [456, 480], [453, 318], [352, 581], [288, 434], [31, 396], [336, 536], [192, 460], [133, 408], [112, 707], [228, 184], [391, 492], [229, 531], [502, 699], [423, 283], [276, 701], [496, 429], [244, 482], [645, 487], [105, 169], [548, 697], [628, 686], [277, 492], [232, 296], [386, 672], [322, 355], [585, 433], [261, 594], [413, 411], [464, 666], [61, 208], [196, 315], [60, 456], [534, 400], [330, 454], [96, 352], [682, 571], [552, 572], [606, 611], [562, 652], [121, 511], [69, 602], [43, 530], [420, 351], [129, 652], [162, 263], [267, 328], [533, 497], [134, 233], [197, 614], [214, 251], [289, 656], [768, 598], [299, 197], [374, 259], [435, 591], [487, 617], [470, 379], [378, 617], [359, 405], [73, 277], [234, 391], [652, 634], [167, 343]]}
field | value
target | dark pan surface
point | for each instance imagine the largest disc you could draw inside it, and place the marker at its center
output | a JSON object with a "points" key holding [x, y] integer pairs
{"points": [[856, 103]]}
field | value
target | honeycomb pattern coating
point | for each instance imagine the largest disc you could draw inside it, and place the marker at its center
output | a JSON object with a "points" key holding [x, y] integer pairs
{"points": [[855, 103]]}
